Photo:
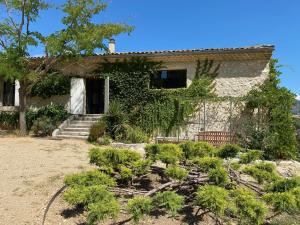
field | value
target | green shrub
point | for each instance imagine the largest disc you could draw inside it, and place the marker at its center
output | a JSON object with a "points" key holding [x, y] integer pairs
{"points": [[9, 120], [113, 157], [262, 172], [126, 174], [170, 201], [42, 127], [219, 176], [97, 130], [89, 178], [212, 198], [176, 173], [50, 85], [251, 156], [169, 153], [134, 135], [228, 151], [139, 206], [248, 209], [152, 151], [205, 164], [282, 202], [141, 167], [283, 185], [197, 149], [235, 165]]}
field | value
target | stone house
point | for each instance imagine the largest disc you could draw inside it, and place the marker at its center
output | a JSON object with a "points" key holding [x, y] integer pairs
{"points": [[241, 69]]}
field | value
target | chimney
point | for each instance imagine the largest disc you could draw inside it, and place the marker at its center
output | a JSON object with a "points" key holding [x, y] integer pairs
{"points": [[112, 46]]}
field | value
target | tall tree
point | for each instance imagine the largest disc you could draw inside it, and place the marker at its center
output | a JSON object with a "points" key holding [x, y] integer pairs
{"points": [[80, 36]]}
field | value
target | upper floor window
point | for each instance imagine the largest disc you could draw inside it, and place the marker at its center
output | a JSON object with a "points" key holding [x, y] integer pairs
{"points": [[169, 79]]}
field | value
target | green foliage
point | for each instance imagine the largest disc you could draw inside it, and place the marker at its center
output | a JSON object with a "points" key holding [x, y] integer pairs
{"points": [[152, 151], [89, 178], [283, 185], [248, 209], [9, 120], [250, 156], [176, 173], [50, 85], [212, 198], [141, 167], [97, 130], [262, 172], [102, 210], [138, 207], [197, 149], [219, 176], [170, 201], [113, 157], [205, 164], [229, 151], [271, 129], [135, 135], [282, 202], [42, 127], [169, 153], [126, 174]]}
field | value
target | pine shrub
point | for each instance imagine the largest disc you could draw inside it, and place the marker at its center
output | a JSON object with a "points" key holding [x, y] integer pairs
{"points": [[228, 151], [170, 154], [250, 156], [170, 201], [219, 176], [139, 206], [205, 164], [176, 173], [197, 149]]}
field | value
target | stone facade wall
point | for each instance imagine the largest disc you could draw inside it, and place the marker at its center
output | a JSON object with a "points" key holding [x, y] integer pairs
{"points": [[235, 79], [38, 102]]}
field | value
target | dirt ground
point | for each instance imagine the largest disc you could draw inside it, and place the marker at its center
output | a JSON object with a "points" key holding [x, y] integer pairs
{"points": [[31, 171]]}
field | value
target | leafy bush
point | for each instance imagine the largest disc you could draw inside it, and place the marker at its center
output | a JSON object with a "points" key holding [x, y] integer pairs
{"points": [[205, 164], [9, 120], [283, 185], [282, 202], [134, 135], [42, 127], [126, 174], [212, 198], [50, 85], [169, 153], [229, 151], [139, 206], [97, 130], [176, 173], [197, 149], [262, 172], [250, 156], [152, 151], [170, 201], [113, 157], [219, 176], [89, 178], [141, 167], [248, 209]]}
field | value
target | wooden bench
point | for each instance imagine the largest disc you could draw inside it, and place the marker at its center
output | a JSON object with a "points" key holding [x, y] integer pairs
{"points": [[216, 138]]}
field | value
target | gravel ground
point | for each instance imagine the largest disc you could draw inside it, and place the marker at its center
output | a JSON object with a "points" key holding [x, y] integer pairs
{"points": [[32, 170]]}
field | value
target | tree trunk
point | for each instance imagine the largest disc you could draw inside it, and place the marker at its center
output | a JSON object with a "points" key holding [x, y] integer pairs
{"points": [[22, 109]]}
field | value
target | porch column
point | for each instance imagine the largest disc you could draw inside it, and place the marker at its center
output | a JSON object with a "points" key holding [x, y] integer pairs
{"points": [[106, 95], [1, 91], [17, 87]]}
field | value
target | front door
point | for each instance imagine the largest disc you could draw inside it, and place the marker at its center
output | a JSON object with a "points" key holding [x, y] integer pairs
{"points": [[94, 96], [8, 93]]}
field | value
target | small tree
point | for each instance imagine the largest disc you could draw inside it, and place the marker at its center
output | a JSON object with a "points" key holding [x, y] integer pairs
{"points": [[79, 36]]}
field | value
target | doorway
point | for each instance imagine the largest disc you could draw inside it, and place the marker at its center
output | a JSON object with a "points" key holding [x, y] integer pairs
{"points": [[94, 96], [8, 93]]}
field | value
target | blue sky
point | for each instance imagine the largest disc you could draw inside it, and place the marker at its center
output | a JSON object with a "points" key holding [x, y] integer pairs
{"points": [[175, 24]]}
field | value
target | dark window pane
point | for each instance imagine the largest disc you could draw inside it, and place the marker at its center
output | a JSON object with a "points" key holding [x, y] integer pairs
{"points": [[169, 79]]}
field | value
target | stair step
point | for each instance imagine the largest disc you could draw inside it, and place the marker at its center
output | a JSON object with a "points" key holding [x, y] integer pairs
{"points": [[81, 122], [77, 129], [94, 119], [72, 137], [75, 133]]}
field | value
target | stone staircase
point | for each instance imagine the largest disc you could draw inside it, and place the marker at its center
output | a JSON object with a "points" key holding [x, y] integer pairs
{"points": [[76, 126]]}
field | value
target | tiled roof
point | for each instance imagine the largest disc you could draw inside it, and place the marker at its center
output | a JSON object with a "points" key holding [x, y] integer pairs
{"points": [[268, 48], [200, 50]]}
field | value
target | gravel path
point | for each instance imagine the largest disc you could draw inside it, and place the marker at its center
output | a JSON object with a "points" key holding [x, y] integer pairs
{"points": [[31, 170]]}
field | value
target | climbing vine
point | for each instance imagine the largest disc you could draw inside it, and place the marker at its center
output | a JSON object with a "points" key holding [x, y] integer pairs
{"points": [[160, 110]]}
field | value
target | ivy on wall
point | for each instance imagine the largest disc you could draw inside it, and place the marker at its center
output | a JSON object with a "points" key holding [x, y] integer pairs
{"points": [[50, 85], [156, 110]]}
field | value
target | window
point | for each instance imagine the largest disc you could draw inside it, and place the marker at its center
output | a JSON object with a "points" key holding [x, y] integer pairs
{"points": [[169, 79]]}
